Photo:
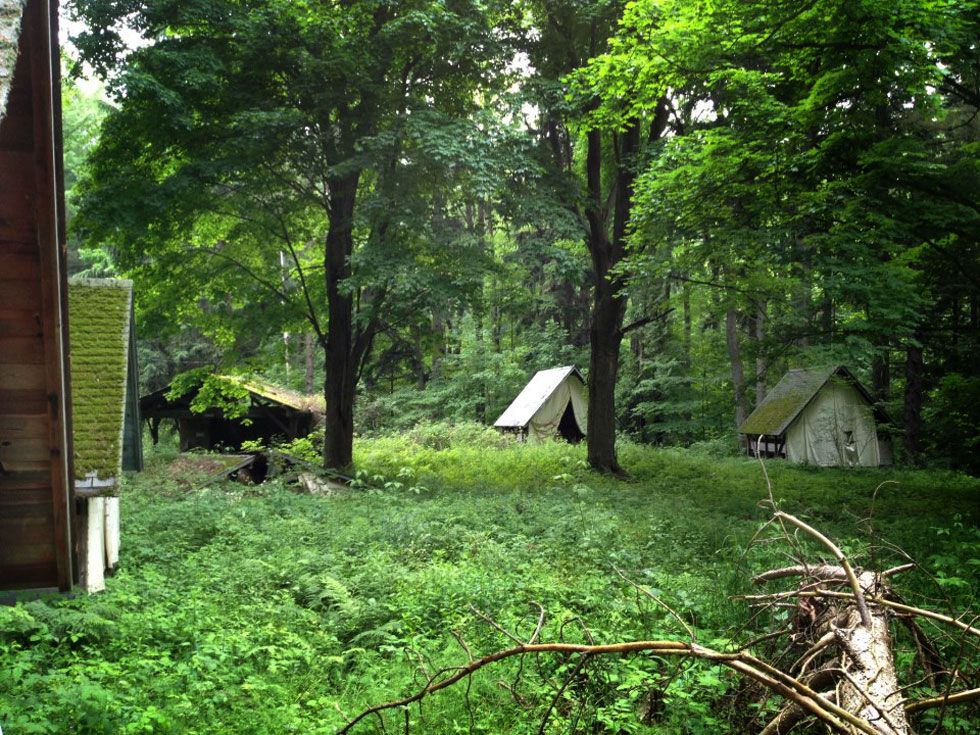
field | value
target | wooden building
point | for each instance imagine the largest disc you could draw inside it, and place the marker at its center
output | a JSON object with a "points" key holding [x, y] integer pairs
{"points": [[37, 543], [819, 416], [272, 412], [105, 416]]}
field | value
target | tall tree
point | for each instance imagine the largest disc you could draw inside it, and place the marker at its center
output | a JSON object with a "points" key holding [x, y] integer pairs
{"points": [[245, 129]]}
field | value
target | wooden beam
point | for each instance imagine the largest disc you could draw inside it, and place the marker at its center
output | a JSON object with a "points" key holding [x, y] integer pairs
{"points": [[40, 33]]}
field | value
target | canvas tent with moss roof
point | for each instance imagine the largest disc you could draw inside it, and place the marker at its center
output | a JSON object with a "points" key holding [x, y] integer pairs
{"points": [[37, 522], [819, 416], [262, 411], [105, 407]]}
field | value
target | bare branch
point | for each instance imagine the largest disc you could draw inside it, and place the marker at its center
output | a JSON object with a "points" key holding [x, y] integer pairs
{"points": [[841, 559], [967, 695]]}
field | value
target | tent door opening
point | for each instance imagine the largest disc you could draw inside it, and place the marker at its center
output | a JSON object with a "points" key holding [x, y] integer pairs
{"points": [[568, 427]]}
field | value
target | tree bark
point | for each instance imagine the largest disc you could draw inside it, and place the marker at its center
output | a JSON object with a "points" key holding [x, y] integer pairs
{"points": [[308, 340], [914, 369], [735, 357], [339, 357], [759, 334], [608, 301]]}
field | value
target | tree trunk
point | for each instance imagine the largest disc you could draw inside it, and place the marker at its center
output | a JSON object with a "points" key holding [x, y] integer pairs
{"points": [[880, 373], [759, 333], [341, 372], [686, 295], [735, 357], [608, 301], [308, 340], [914, 369]]}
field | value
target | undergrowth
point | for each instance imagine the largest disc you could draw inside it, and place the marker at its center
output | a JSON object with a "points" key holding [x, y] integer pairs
{"points": [[259, 610]]}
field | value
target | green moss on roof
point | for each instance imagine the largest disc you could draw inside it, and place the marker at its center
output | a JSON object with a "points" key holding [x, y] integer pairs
{"points": [[785, 401], [99, 321], [299, 401]]}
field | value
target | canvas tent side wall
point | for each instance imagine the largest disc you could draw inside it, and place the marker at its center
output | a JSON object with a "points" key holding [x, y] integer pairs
{"points": [[544, 423], [837, 428], [36, 499]]}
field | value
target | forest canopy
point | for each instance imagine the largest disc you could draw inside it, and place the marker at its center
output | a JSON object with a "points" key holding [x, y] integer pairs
{"points": [[413, 206]]}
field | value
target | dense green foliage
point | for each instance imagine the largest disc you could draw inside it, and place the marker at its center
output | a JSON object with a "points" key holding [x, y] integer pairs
{"points": [[257, 610], [453, 185]]}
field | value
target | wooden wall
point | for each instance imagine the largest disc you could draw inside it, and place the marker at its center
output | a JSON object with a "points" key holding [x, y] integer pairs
{"points": [[36, 498]]}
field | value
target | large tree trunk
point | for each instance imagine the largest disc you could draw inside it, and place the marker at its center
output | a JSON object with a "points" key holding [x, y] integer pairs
{"points": [[341, 370], [735, 358], [608, 301]]}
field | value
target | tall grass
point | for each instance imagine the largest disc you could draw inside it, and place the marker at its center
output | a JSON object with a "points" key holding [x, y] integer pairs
{"points": [[259, 610]]}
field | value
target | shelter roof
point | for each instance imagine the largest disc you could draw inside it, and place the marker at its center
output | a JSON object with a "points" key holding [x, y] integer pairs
{"points": [[10, 22], [258, 388], [535, 393], [791, 395], [99, 325], [278, 394]]}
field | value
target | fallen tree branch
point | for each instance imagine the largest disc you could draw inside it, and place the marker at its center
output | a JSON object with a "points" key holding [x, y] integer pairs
{"points": [[841, 559], [815, 704], [967, 695]]}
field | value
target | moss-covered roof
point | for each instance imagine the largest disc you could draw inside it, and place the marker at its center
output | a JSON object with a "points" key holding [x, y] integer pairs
{"points": [[99, 323], [787, 399], [10, 17], [278, 394]]}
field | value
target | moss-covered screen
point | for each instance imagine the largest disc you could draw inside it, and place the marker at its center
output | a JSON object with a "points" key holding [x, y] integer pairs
{"points": [[98, 318]]}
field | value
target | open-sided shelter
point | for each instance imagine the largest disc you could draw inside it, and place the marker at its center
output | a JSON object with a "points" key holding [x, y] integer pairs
{"points": [[36, 494], [554, 403], [273, 411], [820, 416], [105, 410]]}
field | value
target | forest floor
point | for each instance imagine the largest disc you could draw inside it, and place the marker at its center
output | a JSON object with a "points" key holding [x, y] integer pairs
{"points": [[261, 610]]}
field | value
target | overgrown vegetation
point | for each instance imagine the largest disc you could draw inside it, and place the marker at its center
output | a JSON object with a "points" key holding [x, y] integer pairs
{"points": [[244, 609]]}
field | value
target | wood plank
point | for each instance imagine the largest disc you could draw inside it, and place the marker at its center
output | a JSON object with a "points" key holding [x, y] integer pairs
{"points": [[21, 351], [18, 267], [40, 47], [18, 576], [19, 323], [25, 246], [16, 428], [22, 377], [18, 483], [23, 403], [16, 133], [21, 298], [25, 453]]}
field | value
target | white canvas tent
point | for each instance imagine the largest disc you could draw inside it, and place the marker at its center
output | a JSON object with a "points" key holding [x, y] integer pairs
{"points": [[553, 403], [823, 417]]}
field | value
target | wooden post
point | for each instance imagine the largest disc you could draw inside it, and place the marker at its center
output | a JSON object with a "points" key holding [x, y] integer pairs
{"points": [[111, 532]]}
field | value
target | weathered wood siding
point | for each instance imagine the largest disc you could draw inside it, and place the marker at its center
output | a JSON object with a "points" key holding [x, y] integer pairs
{"points": [[35, 494]]}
